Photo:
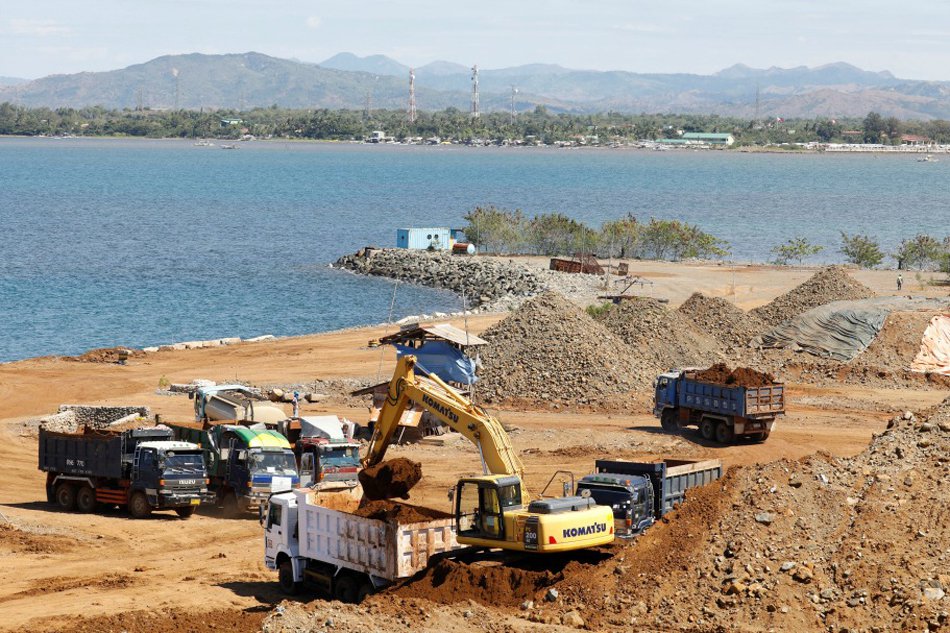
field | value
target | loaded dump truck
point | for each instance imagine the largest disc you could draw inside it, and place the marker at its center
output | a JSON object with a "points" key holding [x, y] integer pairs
{"points": [[245, 465], [142, 469], [319, 537], [641, 492], [724, 405]]}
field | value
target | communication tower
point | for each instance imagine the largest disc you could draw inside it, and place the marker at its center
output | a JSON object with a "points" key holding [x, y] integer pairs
{"points": [[475, 113], [412, 95]]}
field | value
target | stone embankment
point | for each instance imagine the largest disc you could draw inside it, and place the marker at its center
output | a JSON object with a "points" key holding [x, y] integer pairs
{"points": [[482, 281]]}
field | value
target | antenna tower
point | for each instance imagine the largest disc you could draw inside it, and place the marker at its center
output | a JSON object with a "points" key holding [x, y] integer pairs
{"points": [[412, 95], [756, 101], [475, 113]]}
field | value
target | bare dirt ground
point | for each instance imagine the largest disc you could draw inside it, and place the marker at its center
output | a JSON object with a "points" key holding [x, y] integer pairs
{"points": [[107, 572]]}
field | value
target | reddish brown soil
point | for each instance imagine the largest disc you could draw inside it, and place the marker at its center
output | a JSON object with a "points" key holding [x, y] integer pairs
{"points": [[236, 621], [104, 355], [20, 541], [399, 513], [450, 581], [390, 479], [720, 374]]}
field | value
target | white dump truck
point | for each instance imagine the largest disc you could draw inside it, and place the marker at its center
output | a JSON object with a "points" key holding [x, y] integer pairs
{"points": [[314, 536]]}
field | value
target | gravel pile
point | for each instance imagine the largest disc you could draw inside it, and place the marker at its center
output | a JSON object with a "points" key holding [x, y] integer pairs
{"points": [[480, 279], [828, 284], [659, 338], [551, 350], [730, 325]]}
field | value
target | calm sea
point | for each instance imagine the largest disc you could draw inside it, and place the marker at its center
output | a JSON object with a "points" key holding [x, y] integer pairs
{"points": [[134, 242]]}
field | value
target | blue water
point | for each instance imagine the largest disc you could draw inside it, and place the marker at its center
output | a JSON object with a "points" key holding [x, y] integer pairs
{"points": [[109, 242]]}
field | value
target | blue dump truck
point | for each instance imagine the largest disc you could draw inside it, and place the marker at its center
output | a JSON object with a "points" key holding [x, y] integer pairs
{"points": [[723, 408], [245, 465], [142, 469], [641, 492]]}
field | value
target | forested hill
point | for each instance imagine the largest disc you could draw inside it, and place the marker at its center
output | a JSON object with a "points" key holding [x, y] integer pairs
{"points": [[241, 81]]}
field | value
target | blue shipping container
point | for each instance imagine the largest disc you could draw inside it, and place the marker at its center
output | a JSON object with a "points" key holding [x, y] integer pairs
{"points": [[424, 239]]}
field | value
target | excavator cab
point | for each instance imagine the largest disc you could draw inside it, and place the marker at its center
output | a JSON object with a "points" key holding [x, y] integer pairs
{"points": [[481, 503]]}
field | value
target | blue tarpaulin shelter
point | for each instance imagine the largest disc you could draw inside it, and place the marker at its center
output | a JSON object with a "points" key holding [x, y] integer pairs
{"points": [[443, 360]]}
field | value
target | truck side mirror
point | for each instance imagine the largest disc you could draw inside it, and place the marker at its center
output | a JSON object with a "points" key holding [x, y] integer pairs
{"points": [[261, 514], [451, 495]]}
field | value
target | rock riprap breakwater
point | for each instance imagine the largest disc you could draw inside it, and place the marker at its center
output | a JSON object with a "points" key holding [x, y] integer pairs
{"points": [[482, 281]]}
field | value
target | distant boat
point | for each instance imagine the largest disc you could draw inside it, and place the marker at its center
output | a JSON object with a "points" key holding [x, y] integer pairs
{"points": [[229, 147], [204, 144], [927, 159]]}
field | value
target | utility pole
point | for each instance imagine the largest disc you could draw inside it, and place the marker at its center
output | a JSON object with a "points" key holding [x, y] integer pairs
{"points": [[511, 120], [412, 96], [757, 102], [475, 113], [177, 86]]}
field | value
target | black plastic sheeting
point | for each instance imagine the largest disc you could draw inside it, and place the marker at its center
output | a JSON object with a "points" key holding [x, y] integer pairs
{"points": [[843, 329]]}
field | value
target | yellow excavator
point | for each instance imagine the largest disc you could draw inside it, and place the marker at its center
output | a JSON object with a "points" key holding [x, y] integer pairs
{"points": [[494, 510]]}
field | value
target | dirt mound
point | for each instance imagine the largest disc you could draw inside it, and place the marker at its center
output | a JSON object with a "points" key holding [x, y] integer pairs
{"points": [[491, 584], [898, 342], [716, 316], [22, 541], [105, 355], [399, 513], [828, 284], [659, 338], [390, 479], [720, 374], [186, 621], [550, 350]]}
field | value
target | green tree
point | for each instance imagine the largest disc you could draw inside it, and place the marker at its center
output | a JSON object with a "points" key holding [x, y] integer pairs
{"points": [[921, 251], [557, 234], [873, 127], [620, 238], [796, 248], [861, 250], [496, 230]]}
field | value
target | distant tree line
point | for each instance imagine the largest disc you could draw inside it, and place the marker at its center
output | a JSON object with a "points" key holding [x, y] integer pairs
{"points": [[536, 126], [499, 230], [921, 252]]}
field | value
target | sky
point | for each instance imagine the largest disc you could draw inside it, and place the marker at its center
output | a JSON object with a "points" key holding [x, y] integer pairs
{"points": [[43, 37]]}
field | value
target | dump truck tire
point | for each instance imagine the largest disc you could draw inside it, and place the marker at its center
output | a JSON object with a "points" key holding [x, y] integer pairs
{"points": [[285, 578], [86, 500], [138, 506], [185, 513], [345, 589], [66, 496], [707, 428], [724, 434], [668, 420], [366, 589]]}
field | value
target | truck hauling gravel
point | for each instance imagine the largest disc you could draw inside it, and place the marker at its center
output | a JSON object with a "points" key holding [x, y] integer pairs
{"points": [[141, 469], [724, 404]]}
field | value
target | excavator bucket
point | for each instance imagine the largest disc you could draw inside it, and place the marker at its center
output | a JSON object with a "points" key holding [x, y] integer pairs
{"points": [[390, 479]]}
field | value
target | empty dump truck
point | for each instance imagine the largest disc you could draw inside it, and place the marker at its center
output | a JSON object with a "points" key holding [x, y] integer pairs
{"points": [[641, 492], [723, 412]]}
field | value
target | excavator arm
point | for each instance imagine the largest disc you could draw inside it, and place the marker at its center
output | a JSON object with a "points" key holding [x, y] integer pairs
{"points": [[407, 390]]}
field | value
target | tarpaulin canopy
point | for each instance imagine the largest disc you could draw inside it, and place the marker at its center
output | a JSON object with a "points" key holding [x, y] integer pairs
{"points": [[934, 355], [843, 329], [443, 360]]}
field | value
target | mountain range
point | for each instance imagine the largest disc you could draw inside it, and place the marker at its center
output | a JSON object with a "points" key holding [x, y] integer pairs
{"points": [[239, 81]]}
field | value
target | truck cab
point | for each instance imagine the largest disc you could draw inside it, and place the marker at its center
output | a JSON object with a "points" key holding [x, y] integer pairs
{"points": [[281, 543], [170, 473], [254, 472], [631, 497], [665, 391]]}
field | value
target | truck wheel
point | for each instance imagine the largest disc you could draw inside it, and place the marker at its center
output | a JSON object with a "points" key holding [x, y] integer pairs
{"points": [[763, 437], [707, 428], [345, 589], [724, 434], [229, 506], [86, 500], [186, 512], [66, 496], [668, 420], [138, 506], [285, 578], [366, 589]]}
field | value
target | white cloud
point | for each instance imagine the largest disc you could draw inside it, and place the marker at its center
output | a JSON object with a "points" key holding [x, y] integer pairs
{"points": [[313, 22], [37, 28]]}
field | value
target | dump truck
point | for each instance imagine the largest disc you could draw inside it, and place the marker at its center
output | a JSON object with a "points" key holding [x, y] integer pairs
{"points": [[245, 465], [327, 456], [141, 469], [641, 492], [312, 536], [234, 402], [722, 412]]}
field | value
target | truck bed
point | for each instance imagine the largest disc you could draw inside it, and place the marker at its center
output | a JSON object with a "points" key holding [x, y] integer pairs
{"points": [[90, 454], [378, 548], [671, 477], [745, 402]]}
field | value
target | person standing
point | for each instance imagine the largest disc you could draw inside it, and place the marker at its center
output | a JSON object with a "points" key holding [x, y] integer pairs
{"points": [[900, 282]]}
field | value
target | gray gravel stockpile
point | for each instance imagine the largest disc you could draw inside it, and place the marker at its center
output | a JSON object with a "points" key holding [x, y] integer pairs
{"points": [[551, 350], [828, 284], [730, 325], [660, 338]]}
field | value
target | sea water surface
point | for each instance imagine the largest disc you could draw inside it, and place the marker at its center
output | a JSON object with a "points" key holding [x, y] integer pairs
{"points": [[141, 242]]}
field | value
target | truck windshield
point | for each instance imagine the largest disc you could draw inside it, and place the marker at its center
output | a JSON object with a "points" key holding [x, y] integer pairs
{"points": [[613, 497], [273, 462], [184, 463], [341, 457]]}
